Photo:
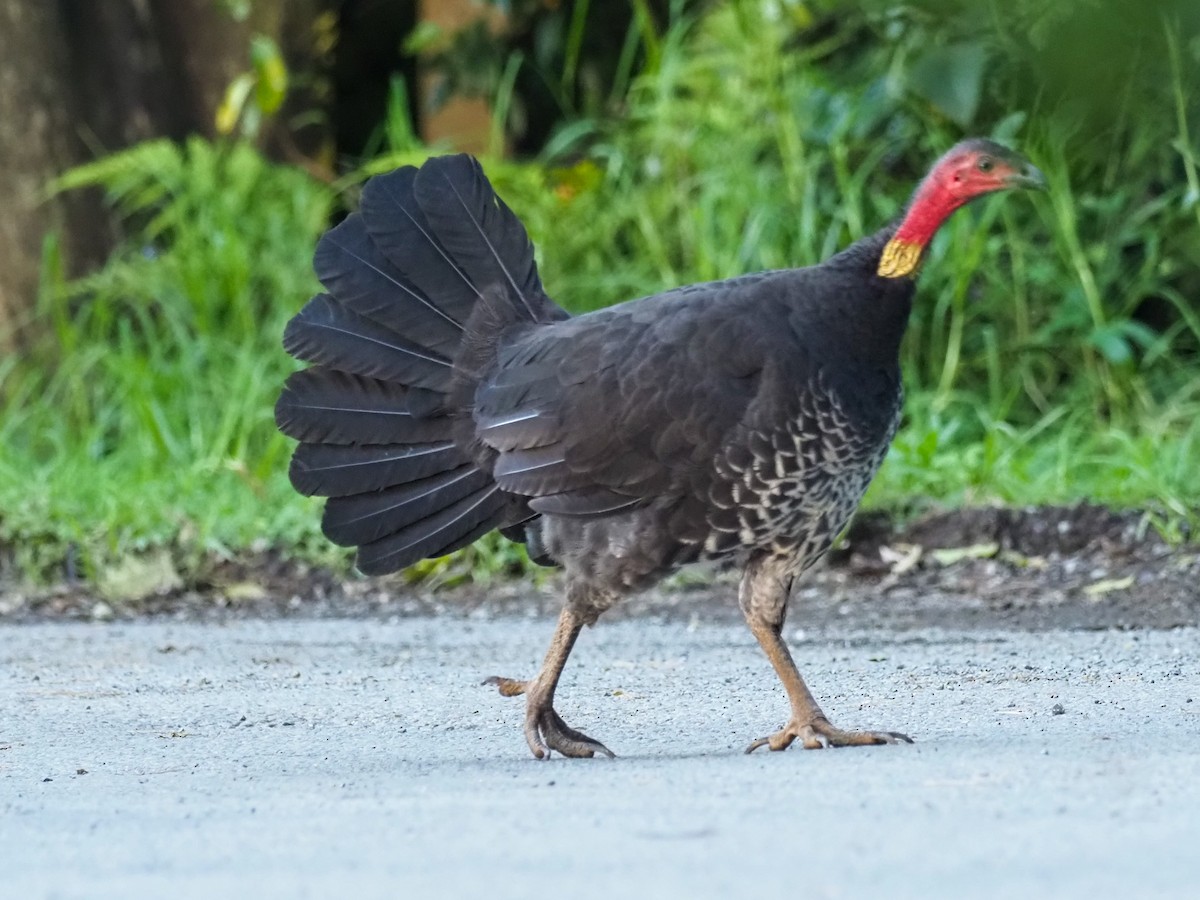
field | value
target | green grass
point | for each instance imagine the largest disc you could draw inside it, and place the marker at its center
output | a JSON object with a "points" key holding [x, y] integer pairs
{"points": [[961, 456], [141, 416]]}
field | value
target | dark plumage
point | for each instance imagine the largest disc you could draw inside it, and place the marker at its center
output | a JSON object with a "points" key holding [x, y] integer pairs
{"points": [[738, 421]]}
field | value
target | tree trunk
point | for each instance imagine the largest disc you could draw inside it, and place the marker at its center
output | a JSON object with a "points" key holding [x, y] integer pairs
{"points": [[36, 143], [79, 79], [204, 49]]}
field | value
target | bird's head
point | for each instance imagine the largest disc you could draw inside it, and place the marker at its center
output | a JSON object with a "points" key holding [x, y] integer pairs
{"points": [[979, 166], [968, 170]]}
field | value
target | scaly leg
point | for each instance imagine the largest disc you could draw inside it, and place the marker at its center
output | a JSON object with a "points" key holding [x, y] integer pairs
{"points": [[544, 728], [763, 597]]}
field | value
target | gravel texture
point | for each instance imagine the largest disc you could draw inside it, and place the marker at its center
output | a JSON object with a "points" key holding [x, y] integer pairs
{"points": [[318, 758]]}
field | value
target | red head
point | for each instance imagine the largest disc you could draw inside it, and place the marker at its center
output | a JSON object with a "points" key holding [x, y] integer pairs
{"points": [[969, 170]]}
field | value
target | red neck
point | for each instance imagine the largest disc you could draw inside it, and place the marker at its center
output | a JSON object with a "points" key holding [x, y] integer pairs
{"points": [[931, 205]]}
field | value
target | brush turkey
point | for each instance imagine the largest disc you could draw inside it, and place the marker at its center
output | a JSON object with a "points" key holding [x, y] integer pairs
{"points": [[738, 421]]}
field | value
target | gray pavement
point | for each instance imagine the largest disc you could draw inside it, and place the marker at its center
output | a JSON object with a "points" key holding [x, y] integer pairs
{"points": [[362, 759]]}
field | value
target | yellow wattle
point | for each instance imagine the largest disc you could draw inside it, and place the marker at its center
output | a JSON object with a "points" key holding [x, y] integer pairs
{"points": [[899, 259]]}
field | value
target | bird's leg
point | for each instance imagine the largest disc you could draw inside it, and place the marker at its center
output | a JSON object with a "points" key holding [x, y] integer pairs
{"points": [[544, 728], [763, 597]]}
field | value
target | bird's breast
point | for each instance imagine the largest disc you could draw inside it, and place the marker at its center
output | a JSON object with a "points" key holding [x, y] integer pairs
{"points": [[790, 486]]}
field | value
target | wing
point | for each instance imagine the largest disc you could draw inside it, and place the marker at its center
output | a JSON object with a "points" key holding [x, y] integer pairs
{"points": [[612, 409]]}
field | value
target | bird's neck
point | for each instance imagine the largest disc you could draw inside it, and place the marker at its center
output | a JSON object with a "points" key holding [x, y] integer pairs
{"points": [[930, 207]]}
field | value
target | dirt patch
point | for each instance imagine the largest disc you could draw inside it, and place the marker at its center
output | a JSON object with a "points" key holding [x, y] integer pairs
{"points": [[1049, 567]]}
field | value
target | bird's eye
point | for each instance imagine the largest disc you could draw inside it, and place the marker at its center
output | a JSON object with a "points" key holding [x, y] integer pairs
{"points": [[985, 164]]}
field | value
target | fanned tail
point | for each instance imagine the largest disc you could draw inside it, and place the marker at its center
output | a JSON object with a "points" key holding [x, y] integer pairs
{"points": [[420, 284]]}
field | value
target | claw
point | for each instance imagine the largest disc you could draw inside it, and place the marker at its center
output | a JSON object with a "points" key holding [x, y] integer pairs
{"points": [[509, 687], [565, 739], [819, 734], [544, 728]]}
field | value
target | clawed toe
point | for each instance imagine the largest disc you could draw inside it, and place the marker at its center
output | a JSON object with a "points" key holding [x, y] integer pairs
{"points": [[544, 728], [818, 734], [560, 736], [508, 687]]}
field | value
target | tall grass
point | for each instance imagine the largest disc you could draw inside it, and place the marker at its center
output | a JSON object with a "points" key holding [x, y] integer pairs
{"points": [[1034, 368], [143, 418]]}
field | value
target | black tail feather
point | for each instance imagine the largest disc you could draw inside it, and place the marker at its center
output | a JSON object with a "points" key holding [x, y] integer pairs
{"points": [[421, 284], [321, 406], [476, 228], [447, 530], [360, 278], [329, 335], [331, 470], [368, 517], [399, 229]]}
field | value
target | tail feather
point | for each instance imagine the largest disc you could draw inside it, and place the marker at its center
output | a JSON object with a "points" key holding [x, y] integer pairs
{"points": [[477, 229], [358, 276], [320, 406], [421, 284], [399, 229], [331, 470], [448, 530], [329, 335], [367, 517]]}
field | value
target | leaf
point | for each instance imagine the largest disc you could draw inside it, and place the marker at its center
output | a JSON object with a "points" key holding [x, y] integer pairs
{"points": [[951, 77], [271, 72], [234, 102], [1021, 561], [950, 555], [1098, 589], [1009, 127], [902, 558], [427, 37], [238, 10], [1112, 346], [135, 578], [244, 592]]}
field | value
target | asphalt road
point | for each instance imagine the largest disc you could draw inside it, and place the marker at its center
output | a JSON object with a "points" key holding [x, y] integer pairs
{"points": [[362, 759]]}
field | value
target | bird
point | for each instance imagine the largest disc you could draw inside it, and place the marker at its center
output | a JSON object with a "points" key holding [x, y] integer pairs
{"points": [[735, 422]]}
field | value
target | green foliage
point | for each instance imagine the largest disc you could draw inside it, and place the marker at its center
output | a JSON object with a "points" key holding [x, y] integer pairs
{"points": [[1051, 355], [255, 95], [144, 415], [571, 61]]}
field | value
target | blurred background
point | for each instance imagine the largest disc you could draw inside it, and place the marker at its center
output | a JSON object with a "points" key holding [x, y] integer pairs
{"points": [[166, 167]]}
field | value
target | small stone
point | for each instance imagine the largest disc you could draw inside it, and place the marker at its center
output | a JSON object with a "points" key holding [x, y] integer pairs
{"points": [[1057, 709], [102, 611]]}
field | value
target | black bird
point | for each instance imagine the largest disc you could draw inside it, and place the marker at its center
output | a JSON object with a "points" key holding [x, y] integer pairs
{"points": [[738, 421]]}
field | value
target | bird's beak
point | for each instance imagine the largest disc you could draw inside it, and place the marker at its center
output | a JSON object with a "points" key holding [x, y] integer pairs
{"points": [[1030, 177]]}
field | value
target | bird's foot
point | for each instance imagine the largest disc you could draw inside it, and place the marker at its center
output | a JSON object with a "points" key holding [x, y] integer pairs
{"points": [[544, 728], [818, 733], [545, 731], [508, 687]]}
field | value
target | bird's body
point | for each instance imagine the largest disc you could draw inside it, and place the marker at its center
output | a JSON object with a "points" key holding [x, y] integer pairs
{"points": [[751, 419], [738, 421]]}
